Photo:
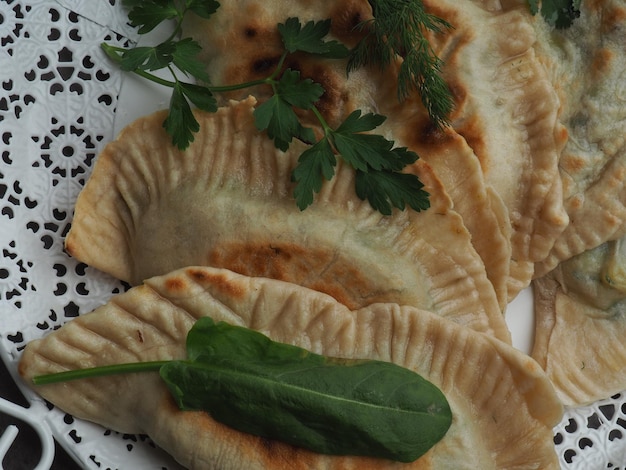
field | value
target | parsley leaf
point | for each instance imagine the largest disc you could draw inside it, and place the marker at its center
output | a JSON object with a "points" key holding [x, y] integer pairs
{"points": [[377, 165], [146, 57], [203, 8], [184, 57], [200, 96], [299, 93], [368, 151], [148, 14], [376, 162], [310, 38], [401, 158], [180, 123], [279, 119], [356, 122], [277, 114], [362, 150], [315, 165], [384, 189]]}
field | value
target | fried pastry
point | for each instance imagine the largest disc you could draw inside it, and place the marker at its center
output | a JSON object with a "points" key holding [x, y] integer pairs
{"points": [[507, 112], [579, 324], [226, 201], [503, 406], [505, 108], [587, 65]]}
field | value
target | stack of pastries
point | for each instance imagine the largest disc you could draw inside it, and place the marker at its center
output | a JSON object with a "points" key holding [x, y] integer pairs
{"points": [[526, 190]]}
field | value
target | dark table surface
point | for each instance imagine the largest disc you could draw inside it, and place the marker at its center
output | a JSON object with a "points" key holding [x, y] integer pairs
{"points": [[25, 452]]}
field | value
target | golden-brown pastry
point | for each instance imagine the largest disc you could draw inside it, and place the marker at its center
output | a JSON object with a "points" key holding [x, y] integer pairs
{"points": [[227, 201], [507, 112], [505, 109], [503, 406]]}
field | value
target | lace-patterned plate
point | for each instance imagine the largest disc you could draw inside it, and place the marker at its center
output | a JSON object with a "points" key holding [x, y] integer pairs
{"points": [[61, 101]]}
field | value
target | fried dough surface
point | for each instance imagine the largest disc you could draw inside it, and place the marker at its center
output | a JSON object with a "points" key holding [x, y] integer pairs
{"points": [[505, 111], [498, 395], [587, 65], [226, 201], [580, 324]]}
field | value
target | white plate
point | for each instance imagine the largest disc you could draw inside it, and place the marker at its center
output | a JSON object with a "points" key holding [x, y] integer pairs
{"points": [[58, 99], [58, 108]]}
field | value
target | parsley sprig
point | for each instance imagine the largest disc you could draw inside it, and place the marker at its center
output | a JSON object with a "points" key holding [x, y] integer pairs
{"points": [[173, 54], [377, 162]]}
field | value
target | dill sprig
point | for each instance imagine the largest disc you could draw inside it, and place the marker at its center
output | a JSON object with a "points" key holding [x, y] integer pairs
{"points": [[398, 29]]}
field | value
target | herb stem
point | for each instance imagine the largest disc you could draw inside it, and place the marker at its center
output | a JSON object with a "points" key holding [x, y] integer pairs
{"points": [[112, 53], [152, 366], [279, 66], [178, 28], [271, 80], [156, 79], [211, 88], [239, 86], [327, 129]]}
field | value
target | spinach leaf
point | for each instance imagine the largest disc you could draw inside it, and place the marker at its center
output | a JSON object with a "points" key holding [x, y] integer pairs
{"points": [[328, 405]]}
